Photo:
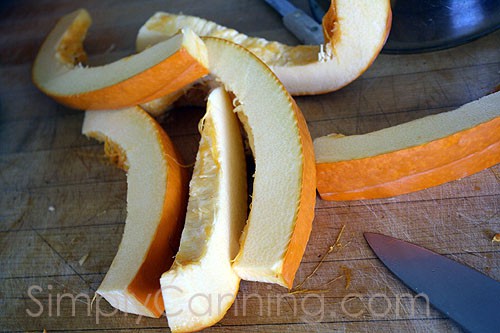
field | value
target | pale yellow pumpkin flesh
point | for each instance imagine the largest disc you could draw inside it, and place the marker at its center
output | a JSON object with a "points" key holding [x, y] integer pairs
{"points": [[201, 285]]}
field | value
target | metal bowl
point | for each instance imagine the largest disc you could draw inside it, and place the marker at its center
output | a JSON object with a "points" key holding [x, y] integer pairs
{"points": [[430, 25]]}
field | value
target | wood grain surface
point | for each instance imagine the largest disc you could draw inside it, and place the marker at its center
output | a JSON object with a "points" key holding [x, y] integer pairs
{"points": [[63, 206]]}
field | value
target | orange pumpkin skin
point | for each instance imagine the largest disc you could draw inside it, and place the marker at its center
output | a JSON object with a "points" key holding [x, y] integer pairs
{"points": [[413, 169], [303, 227], [172, 74]]}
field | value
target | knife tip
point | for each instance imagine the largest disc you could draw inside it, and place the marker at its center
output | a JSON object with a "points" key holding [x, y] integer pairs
{"points": [[372, 237]]}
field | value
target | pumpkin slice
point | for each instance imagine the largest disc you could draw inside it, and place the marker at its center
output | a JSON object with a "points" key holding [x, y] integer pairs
{"points": [[355, 32], [201, 285], [283, 197], [411, 156], [155, 72], [156, 202]]}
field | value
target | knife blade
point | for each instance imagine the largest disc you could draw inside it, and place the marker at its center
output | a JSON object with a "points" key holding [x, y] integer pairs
{"points": [[304, 27], [463, 294]]}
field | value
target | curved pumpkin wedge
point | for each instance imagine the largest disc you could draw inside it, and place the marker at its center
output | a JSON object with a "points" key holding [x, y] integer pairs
{"points": [[355, 32], [155, 72], [284, 195], [200, 286], [156, 202], [412, 156]]}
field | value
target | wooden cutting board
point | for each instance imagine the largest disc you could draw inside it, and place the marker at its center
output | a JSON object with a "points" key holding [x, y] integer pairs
{"points": [[62, 206]]}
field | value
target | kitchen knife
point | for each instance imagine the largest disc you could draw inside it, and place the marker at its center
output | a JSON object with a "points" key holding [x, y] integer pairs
{"points": [[465, 295], [304, 27]]}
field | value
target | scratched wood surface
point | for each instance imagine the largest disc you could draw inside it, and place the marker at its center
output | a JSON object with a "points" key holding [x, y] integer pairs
{"points": [[62, 206]]}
